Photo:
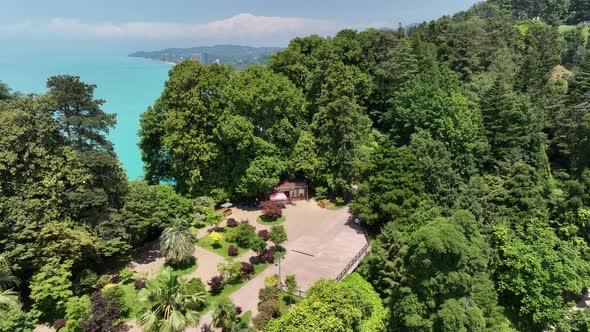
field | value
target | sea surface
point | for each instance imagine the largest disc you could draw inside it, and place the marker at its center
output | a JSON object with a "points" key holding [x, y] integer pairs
{"points": [[128, 85]]}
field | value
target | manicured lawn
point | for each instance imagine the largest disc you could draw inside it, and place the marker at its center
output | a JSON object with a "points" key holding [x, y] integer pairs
{"points": [[185, 268], [269, 221], [221, 249], [230, 289]]}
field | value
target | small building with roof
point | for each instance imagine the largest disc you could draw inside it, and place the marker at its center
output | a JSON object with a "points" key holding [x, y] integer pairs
{"points": [[293, 190]]}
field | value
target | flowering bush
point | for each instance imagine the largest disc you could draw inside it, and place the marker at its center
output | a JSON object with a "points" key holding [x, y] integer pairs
{"points": [[232, 251], [215, 237], [263, 234]]}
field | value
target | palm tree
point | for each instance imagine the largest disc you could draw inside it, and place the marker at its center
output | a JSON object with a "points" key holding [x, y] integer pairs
{"points": [[9, 299], [225, 315], [168, 304], [177, 242]]}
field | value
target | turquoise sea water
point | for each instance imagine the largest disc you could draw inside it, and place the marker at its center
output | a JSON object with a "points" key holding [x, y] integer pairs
{"points": [[129, 86]]}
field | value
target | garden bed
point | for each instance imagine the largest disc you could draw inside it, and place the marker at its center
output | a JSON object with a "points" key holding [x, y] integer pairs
{"points": [[265, 220]]}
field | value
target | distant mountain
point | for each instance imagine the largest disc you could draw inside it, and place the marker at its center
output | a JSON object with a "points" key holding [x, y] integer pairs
{"points": [[238, 56]]}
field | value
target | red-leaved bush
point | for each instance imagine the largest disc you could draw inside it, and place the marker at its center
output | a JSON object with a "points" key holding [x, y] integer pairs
{"points": [[232, 251], [246, 270], [263, 234], [139, 284], [231, 222], [267, 256], [271, 209], [59, 323], [216, 284]]}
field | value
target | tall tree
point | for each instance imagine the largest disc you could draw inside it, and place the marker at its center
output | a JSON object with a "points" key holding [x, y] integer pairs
{"points": [[79, 114]]}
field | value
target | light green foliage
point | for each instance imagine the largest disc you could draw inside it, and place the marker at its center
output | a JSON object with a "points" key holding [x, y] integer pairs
{"points": [[230, 271], [241, 235], [67, 243], [271, 281], [536, 268], [432, 101], [212, 217], [76, 309], [379, 314], [328, 306], [177, 242], [17, 321], [51, 289], [126, 274], [277, 235], [169, 302]]}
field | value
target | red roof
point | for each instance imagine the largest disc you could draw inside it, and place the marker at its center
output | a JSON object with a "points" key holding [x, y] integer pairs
{"points": [[286, 185]]}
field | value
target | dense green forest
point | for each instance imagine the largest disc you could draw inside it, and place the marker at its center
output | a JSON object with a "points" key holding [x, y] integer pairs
{"points": [[463, 145]]}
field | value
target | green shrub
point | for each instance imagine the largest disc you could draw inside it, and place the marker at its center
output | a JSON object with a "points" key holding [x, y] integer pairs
{"points": [[258, 245], [126, 274], [241, 235], [195, 286], [261, 320], [271, 307], [76, 309], [117, 293], [268, 293], [17, 321], [86, 281], [103, 280], [377, 321]]}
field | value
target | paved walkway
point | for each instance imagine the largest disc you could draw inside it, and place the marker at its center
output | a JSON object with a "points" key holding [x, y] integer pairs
{"points": [[207, 262], [321, 244]]}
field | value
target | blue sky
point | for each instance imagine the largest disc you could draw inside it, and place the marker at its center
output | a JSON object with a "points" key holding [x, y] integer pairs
{"points": [[152, 24]]}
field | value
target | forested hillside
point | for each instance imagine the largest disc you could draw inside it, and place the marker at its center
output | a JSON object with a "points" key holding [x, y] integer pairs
{"points": [[462, 144]]}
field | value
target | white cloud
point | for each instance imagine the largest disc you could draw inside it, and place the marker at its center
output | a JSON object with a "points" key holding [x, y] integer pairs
{"points": [[243, 27]]}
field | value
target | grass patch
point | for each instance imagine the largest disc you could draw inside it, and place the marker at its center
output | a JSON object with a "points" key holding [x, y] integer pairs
{"points": [[246, 317], [286, 299], [265, 220], [131, 301], [332, 205], [230, 289], [220, 249], [184, 268]]}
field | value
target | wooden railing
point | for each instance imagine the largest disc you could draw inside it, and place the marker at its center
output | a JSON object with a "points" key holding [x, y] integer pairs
{"points": [[296, 291], [361, 254]]}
